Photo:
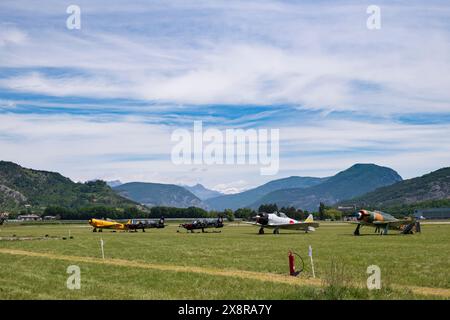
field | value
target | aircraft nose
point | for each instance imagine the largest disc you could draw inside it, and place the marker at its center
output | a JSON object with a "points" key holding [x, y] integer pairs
{"points": [[262, 219], [361, 214]]}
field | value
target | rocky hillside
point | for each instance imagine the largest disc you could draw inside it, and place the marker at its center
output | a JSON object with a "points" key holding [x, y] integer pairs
{"points": [[158, 194], [201, 192], [432, 186], [20, 187]]}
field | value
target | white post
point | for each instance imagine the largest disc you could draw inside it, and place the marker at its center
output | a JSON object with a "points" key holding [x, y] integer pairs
{"points": [[312, 262], [101, 245]]}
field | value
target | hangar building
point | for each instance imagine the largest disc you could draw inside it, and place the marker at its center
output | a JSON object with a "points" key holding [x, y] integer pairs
{"points": [[435, 213]]}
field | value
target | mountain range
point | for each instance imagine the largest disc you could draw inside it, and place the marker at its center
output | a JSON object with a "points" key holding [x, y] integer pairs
{"points": [[247, 198], [201, 192], [158, 194], [354, 181], [300, 192], [362, 185]]}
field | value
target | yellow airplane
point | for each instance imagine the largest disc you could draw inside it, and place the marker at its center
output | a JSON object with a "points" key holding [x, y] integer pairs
{"points": [[106, 224], [130, 225]]}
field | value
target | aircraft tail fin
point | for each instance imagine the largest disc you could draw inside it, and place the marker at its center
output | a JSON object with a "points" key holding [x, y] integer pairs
{"points": [[310, 218]]}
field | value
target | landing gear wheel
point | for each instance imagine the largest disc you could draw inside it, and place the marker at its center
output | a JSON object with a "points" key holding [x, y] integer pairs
{"points": [[356, 233], [276, 231], [261, 231]]}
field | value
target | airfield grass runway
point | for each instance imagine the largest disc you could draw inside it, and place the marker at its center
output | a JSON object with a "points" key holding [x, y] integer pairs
{"points": [[234, 264]]}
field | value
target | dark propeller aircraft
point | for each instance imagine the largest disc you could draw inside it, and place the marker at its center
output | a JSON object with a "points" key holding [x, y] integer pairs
{"points": [[203, 224], [136, 224], [383, 221]]}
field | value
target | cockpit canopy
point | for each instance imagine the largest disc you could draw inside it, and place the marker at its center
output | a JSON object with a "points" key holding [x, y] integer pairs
{"points": [[386, 215], [281, 214]]}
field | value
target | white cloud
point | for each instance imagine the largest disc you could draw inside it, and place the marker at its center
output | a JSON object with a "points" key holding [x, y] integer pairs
{"points": [[128, 149], [10, 35], [231, 187], [36, 82], [310, 55], [316, 56]]}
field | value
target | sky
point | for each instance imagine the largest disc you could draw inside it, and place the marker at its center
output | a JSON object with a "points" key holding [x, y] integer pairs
{"points": [[102, 101]]}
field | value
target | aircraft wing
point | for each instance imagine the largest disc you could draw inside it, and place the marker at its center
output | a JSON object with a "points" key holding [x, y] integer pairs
{"points": [[116, 225], [374, 223], [291, 226], [393, 224], [251, 223], [110, 226], [288, 226], [295, 226]]}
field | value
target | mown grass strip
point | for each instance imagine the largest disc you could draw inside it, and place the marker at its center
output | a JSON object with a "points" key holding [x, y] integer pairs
{"points": [[243, 274]]}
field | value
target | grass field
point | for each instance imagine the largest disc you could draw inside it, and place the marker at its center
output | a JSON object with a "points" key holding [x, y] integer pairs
{"points": [[234, 264]]}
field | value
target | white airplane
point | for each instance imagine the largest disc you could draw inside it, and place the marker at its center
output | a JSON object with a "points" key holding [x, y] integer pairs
{"points": [[279, 220]]}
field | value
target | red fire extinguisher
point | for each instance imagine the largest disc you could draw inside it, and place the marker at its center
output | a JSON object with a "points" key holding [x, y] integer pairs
{"points": [[292, 271]]}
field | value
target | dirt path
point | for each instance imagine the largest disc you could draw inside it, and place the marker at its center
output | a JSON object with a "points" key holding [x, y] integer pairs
{"points": [[271, 277], [260, 276]]}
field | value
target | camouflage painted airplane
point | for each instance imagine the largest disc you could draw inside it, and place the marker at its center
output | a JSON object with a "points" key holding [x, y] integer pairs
{"points": [[279, 220], [383, 221], [203, 224], [130, 225], [143, 224]]}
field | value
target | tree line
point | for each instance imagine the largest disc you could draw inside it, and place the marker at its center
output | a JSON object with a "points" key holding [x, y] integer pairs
{"points": [[100, 212]]}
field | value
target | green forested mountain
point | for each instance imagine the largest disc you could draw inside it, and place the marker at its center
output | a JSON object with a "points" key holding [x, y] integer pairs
{"points": [[20, 187], [247, 198], [158, 194], [365, 185], [357, 180], [434, 186]]}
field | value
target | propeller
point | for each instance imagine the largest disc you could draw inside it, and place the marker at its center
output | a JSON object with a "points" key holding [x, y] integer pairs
{"points": [[361, 214], [262, 218]]}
